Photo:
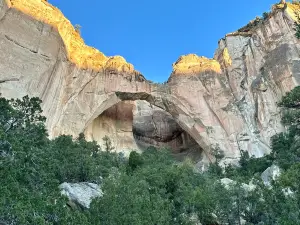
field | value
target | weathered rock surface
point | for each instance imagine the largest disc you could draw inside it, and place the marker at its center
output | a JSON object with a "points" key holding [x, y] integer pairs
{"points": [[138, 125], [81, 193], [153, 126], [228, 101], [270, 174], [117, 123]]}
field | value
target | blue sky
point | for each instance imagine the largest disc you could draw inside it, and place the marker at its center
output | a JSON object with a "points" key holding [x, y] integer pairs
{"points": [[152, 34]]}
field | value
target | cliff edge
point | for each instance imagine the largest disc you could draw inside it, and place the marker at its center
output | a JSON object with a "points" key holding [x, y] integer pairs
{"points": [[78, 52], [228, 102]]}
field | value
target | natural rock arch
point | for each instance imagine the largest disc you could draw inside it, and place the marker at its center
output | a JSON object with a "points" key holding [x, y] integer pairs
{"points": [[211, 99], [187, 123]]}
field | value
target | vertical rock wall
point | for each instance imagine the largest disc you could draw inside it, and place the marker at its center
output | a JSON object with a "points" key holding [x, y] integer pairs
{"points": [[227, 102]]}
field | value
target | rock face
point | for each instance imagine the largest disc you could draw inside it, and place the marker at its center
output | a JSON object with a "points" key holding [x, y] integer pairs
{"points": [[138, 125], [228, 101], [270, 174], [153, 126], [81, 193], [116, 123]]}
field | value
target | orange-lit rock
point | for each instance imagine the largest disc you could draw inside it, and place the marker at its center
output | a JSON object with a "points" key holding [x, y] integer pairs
{"points": [[83, 56], [227, 102], [193, 64], [119, 63], [293, 10], [226, 57]]}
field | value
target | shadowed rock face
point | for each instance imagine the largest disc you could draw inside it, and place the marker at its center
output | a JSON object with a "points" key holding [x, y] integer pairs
{"points": [[116, 123], [138, 125], [153, 126], [229, 101]]}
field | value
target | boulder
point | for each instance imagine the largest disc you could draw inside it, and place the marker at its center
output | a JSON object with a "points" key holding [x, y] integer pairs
{"points": [[81, 193], [270, 174]]}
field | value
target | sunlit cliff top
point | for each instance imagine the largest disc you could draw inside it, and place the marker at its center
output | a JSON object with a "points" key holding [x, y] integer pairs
{"points": [[192, 64], [87, 57], [291, 9], [79, 53]]}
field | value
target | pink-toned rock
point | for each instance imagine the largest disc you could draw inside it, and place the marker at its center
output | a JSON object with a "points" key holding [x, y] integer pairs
{"points": [[227, 102]]}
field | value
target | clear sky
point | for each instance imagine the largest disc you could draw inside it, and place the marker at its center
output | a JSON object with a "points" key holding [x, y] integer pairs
{"points": [[152, 34]]}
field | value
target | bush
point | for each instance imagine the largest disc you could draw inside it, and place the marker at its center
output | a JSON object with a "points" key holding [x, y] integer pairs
{"points": [[265, 15], [135, 160], [148, 188], [32, 166]]}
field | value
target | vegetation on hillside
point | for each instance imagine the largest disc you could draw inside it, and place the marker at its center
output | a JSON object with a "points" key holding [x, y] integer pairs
{"points": [[147, 188]]}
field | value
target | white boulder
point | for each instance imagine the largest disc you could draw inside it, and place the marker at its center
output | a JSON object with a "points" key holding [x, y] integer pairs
{"points": [[81, 193], [270, 174]]}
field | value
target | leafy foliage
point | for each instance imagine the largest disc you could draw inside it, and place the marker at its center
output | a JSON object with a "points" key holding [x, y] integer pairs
{"points": [[297, 27], [135, 160], [32, 166], [265, 15], [107, 144], [291, 99], [148, 188]]}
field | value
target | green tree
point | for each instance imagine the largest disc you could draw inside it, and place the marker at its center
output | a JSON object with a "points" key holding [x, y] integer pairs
{"points": [[107, 144], [297, 27], [148, 188], [77, 28], [32, 166], [135, 160]]}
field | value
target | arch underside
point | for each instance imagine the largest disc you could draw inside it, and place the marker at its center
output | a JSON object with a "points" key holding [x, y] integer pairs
{"points": [[190, 131]]}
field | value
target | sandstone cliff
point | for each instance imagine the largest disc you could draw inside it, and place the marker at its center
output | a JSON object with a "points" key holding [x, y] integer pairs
{"points": [[228, 101]]}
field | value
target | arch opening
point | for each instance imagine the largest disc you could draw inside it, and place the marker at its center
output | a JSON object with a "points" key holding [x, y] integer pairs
{"points": [[137, 125]]}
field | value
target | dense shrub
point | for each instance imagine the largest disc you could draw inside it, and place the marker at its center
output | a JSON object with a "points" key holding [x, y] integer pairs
{"points": [[148, 188]]}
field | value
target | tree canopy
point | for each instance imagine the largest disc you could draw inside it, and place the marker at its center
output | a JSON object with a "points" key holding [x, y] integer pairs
{"points": [[147, 188]]}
